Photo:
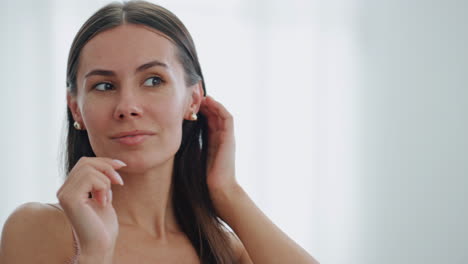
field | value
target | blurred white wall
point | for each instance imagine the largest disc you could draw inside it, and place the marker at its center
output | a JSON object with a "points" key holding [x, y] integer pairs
{"points": [[350, 115], [413, 131]]}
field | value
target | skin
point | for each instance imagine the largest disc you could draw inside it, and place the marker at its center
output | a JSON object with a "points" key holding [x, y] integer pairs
{"points": [[135, 222], [132, 101], [131, 105]]}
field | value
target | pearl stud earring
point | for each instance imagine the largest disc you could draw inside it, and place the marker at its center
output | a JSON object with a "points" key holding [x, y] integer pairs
{"points": [[194, 116], [77, 125]]}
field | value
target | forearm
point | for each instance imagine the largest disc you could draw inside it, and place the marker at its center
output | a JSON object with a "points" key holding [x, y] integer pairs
{"points": [[263, 240]]}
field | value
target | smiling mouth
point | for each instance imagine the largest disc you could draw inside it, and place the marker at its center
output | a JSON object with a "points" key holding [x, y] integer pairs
{"points": [[133, 133], [132, 140]]}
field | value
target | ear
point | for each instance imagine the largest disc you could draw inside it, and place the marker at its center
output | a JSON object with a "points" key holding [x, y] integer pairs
{"points": [[195, 99], [75, 110]]}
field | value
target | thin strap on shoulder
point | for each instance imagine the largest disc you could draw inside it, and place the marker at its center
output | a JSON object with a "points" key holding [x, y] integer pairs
{"points": [[76, 246], [56, 206]]}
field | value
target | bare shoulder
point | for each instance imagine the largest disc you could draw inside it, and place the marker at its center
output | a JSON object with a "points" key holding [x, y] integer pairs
{"points": [[239, 250], [36, 233]]}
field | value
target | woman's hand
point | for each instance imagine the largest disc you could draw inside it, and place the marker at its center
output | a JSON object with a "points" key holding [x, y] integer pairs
{"points": [[264, 242], [221, 147], [94, 219]]}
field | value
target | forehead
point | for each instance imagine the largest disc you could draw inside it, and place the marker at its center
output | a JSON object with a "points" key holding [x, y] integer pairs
{"points": [[126, 47]]}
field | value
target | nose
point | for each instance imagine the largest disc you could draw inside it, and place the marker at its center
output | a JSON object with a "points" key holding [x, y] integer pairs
{"points": [[128, 107]]}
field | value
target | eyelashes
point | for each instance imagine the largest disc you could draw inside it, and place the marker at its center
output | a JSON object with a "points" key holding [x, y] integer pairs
{"points": [[152, 81], [103, 86]]}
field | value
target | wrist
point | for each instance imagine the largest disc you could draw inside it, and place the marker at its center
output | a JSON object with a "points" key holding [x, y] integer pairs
{"points": [[225, 199], [225, 194]]}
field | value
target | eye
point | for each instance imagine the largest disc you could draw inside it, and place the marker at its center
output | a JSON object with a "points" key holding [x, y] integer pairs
{"points": [[103, 86], [153, 81]]}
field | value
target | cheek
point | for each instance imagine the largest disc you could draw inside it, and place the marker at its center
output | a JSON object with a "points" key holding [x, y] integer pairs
{"points": [[94, 115], [170, 118], [96, 122], [171, 115]]}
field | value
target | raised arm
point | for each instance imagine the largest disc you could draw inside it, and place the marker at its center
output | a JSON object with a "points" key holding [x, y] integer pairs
{"points": [[264, 242], [262, 239]]}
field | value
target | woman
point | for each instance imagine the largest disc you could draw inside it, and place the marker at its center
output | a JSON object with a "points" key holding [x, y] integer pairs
{"points": [[150, 159]]}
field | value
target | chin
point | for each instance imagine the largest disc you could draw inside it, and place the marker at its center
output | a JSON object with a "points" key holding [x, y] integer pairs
{"points": [[141, 164]]}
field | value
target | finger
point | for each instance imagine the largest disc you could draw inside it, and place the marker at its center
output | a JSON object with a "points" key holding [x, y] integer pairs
{"points": [[90, 181], [108, 167], [116, 164], [109, 196], [100, 189], [219, 108], [226, 120], [207, 108], [101, 197], [211, 119], [113, 175]]}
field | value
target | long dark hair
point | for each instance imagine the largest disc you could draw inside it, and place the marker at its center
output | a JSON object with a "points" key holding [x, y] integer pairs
{"points": [[193, 207]]}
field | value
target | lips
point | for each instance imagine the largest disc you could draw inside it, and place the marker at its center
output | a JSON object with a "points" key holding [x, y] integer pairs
{"points": [[132, 137], [133, 133]]}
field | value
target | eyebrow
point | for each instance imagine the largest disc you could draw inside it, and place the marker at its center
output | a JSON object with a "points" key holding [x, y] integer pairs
{"points": [[140, 68]]}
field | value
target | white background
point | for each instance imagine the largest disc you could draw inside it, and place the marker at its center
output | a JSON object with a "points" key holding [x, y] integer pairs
{"points": [[350, 115]]}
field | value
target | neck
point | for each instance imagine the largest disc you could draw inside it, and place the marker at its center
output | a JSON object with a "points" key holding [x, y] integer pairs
{"points": [[145, 201]]}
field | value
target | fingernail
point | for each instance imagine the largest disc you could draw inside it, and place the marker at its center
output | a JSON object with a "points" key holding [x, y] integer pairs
{"points": [[120, 162], [110, 195], [119, 178]]}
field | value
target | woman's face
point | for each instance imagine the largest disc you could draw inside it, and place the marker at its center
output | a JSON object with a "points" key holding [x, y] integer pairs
{"points": [[129, 79]]}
